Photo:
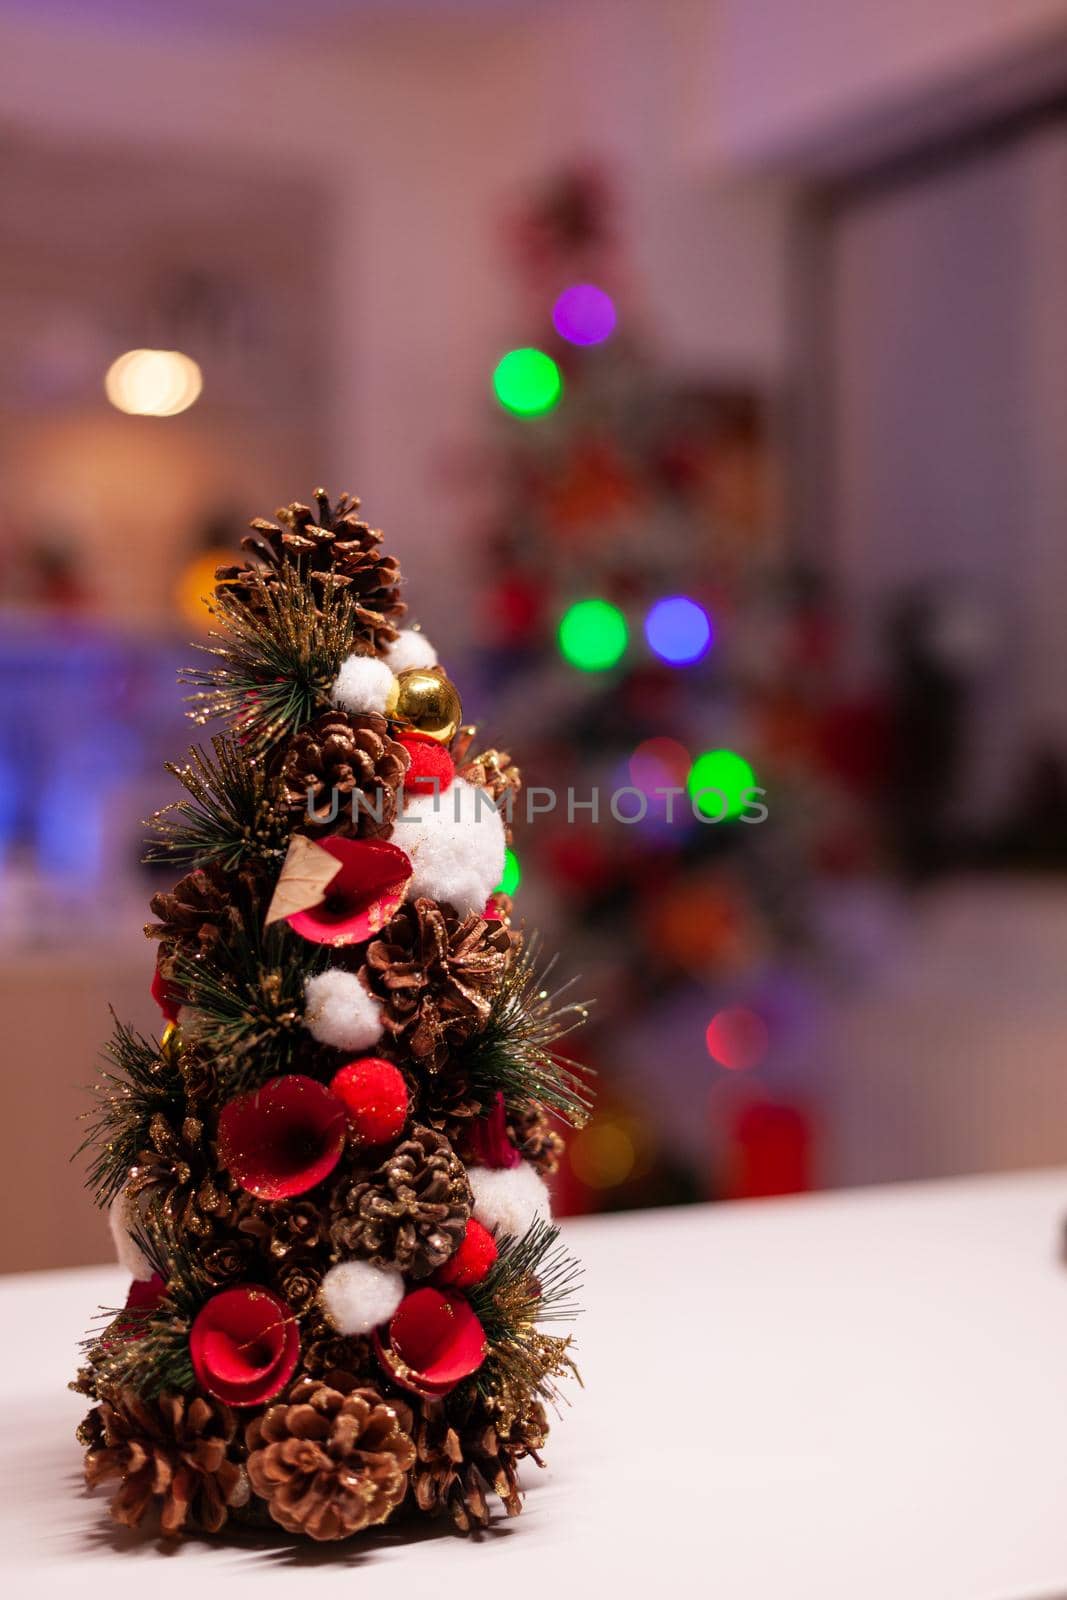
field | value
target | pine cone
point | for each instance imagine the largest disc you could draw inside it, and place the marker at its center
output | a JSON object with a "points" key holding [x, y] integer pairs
{"points": [[282, 1228], [323, 1349], [411, 1214], [496, 1445], [337, 549], [332, 763], [298, 1281], [174, 1451], [435, 976], [441, 1480], [448, 1102], [493, 770], [537, 1140], [226, 1262], [461, 1452], [204, 908], [332, 1458], [178, 1165], [286, 1235]]}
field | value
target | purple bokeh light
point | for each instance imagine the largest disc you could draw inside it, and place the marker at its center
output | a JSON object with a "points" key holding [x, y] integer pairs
{"points": [[584, 314]]}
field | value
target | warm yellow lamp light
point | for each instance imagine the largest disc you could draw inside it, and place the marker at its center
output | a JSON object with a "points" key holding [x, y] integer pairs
{"points": [[153, 383]]}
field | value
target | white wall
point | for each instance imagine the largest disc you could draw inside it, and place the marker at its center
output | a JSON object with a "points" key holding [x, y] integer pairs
{"points": [[794, 75]]}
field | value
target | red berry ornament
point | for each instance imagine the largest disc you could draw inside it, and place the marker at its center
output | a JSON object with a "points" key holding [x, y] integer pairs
{"points": [[375, 1098], [431, 770], [472, 1260]]}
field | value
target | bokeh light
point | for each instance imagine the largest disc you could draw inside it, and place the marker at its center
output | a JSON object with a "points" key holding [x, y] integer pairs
{"points": [[153, 383], [718, 783], [584, 314], [512, 874], [737, 1038], [527, 382], [704, 926], [593, 635], [678, 630], [659, 763], [602, 1155], [195, 589]]}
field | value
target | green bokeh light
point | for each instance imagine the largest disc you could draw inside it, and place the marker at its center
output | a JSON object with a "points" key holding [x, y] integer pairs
{"points": [[527, 382], [593, 635], [512, 874], [728, 775]]}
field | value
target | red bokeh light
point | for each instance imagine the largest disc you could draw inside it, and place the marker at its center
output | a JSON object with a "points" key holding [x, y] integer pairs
{"points": [[737, 1038], [660, 763]]}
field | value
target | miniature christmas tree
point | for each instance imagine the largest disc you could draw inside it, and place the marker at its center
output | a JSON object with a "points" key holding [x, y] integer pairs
{"points": [[328, 1177]]}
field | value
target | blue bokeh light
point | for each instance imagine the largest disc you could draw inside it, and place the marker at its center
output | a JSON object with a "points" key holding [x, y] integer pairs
{"points": [[678, 630]]}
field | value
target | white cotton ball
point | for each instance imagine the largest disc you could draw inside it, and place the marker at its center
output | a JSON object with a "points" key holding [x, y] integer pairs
{"points": [[120, 1216], [509, 1200], [364, 684], [357, 1297], [410, 648], [456, 844], [339, 1011]]}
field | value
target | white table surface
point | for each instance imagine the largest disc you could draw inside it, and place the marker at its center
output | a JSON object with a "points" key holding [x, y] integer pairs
{"points": [[850, 1397]]}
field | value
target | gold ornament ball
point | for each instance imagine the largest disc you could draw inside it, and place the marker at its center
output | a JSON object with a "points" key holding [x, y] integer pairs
{"points": [[171, 1043], [428, 703]]}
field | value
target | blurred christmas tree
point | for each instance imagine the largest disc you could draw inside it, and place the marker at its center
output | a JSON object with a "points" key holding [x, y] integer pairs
{"points": [[641, 628]]}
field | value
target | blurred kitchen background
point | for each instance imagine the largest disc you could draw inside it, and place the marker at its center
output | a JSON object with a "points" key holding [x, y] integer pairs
{"points": [[799, 271]]}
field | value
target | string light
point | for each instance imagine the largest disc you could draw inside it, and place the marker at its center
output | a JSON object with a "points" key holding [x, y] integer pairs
{"points": [[512, 874], [593, 635], [678, 630], [584, 314], [153, 383], [719, 783], [527, 382]]}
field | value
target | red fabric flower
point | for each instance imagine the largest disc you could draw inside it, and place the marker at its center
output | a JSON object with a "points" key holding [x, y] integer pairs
{"points": [[360, 899], [472, 1260], [283, 1139], [244, 1345], [166, 997], [434, 1342], [145, 1293], [143, 1297], [375, 1097], [431, 769], [488, 1142]]}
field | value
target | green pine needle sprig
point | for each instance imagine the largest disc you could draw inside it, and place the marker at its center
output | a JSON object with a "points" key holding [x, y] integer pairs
{"points": [[534, 1280], [245, 1003], [276, 652], [517, 1052], [232, 812], [148, 1350], [141, 1081]]}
